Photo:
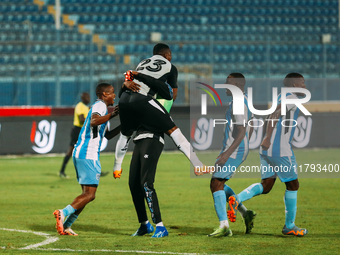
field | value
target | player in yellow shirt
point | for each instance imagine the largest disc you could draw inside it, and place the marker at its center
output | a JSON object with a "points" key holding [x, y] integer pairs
{"points": [[80, 113]]}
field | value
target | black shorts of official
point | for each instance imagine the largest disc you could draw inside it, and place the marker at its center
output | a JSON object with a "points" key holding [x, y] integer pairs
{"points": [[74, 135], [142, 176], [137, 110]]}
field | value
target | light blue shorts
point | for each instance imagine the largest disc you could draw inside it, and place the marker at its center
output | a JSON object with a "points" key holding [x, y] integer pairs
{"points": [[88, 171], [283, 167], [228, 170]]}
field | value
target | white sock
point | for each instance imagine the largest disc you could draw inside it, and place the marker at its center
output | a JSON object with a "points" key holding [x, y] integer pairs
{"points": [[121, 148], [184, 146], [242, 209], [224, 224], [160, 224]]}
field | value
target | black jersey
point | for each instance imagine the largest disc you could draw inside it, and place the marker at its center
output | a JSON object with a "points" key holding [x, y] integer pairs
{"points": [[159, 68]]}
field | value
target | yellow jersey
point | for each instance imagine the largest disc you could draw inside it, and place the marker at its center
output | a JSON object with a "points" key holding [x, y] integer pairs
{"points": [[80, 109]]}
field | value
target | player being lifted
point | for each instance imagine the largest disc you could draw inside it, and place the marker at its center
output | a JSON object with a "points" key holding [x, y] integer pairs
{"points": [[140, 108], [234, 152], [276, 151]]}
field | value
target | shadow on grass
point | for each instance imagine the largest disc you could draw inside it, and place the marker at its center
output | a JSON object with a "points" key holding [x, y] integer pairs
{"points": [[195, 231], [201, 231], [100, 229], [187, 230], [309, 235], [70, 175], [274, 234]]}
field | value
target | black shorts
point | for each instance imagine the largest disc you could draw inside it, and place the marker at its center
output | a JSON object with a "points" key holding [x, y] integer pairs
{"points": [[74, 135], [136, 110]]}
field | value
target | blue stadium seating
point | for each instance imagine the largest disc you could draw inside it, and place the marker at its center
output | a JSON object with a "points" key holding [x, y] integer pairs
{"points": [[257, 37]]}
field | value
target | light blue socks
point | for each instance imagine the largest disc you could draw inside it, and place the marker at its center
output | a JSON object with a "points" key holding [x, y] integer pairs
{"points": [[290, 204], [228, 191], [252, 191], [68, 210], [220, 202]]}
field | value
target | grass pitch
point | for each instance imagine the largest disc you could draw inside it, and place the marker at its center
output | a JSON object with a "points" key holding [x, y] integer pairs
{"points": [[31, 190]]}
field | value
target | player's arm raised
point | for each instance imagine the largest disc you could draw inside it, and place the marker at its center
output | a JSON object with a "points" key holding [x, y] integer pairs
{"points": [[272, 121], [240, 132], [162, 88], [96, 119]]}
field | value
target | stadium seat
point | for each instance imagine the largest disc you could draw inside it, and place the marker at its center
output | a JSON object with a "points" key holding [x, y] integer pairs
{"points": [[243, 34]]}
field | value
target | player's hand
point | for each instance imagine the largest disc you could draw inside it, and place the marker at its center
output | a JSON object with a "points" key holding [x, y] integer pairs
{"points": [[222, 158], [132, 86], [117, 173], [129, 75], [115, 111], [265, 143]]}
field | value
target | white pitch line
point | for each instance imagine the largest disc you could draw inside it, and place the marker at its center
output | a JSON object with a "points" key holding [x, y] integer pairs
{"points": [[159, 252], [116, 251], [121, 251], [49, 239]]}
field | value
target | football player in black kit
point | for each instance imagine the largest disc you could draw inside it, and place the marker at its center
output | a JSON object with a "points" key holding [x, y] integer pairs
{"points": [[139, 110]]}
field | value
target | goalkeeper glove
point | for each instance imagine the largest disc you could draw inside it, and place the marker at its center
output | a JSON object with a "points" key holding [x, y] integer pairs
{"points": [[129, 76]]}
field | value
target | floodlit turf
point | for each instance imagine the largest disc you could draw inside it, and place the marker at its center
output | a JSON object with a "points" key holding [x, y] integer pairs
{"points": [[31, 190]]}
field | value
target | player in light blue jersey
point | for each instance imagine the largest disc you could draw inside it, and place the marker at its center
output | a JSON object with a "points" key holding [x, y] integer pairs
{"points": [[278, 160], [86, 156], [234, 152]]}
